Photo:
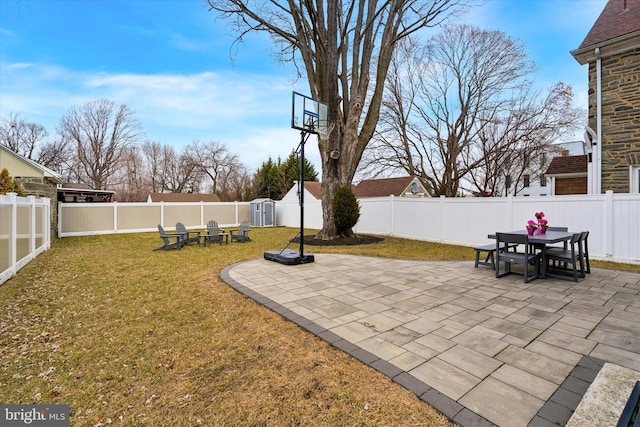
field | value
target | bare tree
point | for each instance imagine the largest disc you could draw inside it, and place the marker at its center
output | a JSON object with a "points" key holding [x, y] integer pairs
{"points": [[99, 132], [238, 186], [180, 173], [215, 161], [153, 152], [31, 140], [463, 105], [345, 50], [131, 182]]}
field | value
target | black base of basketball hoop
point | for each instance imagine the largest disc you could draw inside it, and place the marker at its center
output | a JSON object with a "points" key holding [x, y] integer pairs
{"points": [[288, 257]]}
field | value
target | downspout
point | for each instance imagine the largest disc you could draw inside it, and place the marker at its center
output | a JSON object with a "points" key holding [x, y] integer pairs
{"points": [[597, 158]]}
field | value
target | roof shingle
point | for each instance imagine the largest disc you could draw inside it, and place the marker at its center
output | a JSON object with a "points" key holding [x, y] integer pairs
{"points": [[619, 17], [382, 187], [567, 165], [183, 197]]}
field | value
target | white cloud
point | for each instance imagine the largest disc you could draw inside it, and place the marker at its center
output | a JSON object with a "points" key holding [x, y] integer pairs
{"points": [[249, 113]]}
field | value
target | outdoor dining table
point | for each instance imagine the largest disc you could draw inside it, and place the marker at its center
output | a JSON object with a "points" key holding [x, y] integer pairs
{"points": [[543, 240]]}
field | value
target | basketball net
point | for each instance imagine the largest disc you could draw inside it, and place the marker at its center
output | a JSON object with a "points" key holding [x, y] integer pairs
{"points": [[324, 132]]}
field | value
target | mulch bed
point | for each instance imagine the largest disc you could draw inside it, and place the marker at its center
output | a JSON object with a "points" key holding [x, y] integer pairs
{"points": [[360, 239]]}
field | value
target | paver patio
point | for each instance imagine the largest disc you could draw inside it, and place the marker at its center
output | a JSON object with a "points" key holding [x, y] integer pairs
{"points": [[481, 350]]}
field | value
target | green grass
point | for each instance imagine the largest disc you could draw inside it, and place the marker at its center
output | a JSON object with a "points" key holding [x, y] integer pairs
{"points": [[132, 337]]}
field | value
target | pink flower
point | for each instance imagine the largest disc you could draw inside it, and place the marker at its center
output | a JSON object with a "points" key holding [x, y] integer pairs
{"points": [[531, 223], [542, 222], [539, 215]]}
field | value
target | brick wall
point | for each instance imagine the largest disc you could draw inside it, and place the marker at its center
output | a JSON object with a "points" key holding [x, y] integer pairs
{"points": [[42, 187], [566, 186], [620, 117]]}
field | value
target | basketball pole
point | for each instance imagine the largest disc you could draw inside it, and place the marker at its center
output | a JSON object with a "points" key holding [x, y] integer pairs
{"points": [[303, 138]]}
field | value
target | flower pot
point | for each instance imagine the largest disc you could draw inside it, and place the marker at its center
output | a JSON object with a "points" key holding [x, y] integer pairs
{"points": [[541, 230], [530, 230]]}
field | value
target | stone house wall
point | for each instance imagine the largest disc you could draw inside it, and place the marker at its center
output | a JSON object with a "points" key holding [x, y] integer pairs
{"points": [[42, 187], [620, 117]]}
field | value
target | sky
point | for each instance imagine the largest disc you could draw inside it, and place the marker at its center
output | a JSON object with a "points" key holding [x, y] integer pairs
{"points": [[175, 64]]}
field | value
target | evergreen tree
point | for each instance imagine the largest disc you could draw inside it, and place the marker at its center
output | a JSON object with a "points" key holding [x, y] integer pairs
{"points": [[8, 184], [274, 179]]}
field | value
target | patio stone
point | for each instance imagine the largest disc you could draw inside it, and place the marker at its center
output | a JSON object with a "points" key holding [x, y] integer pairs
{"points": [[539, 387], [451, 381], [481, 350], [502, 404]]}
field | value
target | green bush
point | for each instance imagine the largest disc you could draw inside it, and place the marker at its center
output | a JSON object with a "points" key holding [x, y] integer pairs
{"points": [[8, 184], [346, 211]]}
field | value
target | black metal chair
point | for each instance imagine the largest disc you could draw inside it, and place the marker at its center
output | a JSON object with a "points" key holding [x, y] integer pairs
{"points": [[573, 256], [525, 258], [585, 250]]}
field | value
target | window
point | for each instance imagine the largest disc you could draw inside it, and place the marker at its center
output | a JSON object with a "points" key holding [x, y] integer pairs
{"points": [[526, 181], [634, 178], [543, 181]]}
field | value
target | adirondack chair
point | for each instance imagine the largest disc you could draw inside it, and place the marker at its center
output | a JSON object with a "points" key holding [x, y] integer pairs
{"points": [[214, 234], [242, 233], [187, 236], [166, 238]]}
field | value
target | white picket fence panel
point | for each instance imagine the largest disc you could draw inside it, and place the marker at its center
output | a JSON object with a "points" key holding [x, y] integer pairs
{"points": [[24, 231]]}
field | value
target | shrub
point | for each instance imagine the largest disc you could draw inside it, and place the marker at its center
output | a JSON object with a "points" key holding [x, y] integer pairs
{"points": [[8, 184], [346, 211]]}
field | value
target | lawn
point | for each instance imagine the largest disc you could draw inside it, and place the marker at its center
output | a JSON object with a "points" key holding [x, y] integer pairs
{"points": [[128, 336]]}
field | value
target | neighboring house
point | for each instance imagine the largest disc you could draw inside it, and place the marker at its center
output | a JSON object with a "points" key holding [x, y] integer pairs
{"points": [[312, 191], [36, 180], [406, 186], [544, 184], [612, 50], [82, 193], [567, 175], [182, 197]]}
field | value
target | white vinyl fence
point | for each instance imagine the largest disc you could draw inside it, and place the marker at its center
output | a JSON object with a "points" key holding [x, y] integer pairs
{"points": [[81, 219], [24, 231], [613, 220]]}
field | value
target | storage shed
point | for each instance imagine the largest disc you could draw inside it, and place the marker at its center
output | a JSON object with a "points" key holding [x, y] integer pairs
{"points": [[263, 213]]}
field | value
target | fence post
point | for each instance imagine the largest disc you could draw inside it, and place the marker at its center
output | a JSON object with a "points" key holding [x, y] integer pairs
{"points": [[32, 226], [608, 224], [393, 214], [443, 219], [115, 217], [13, 236], [46, 222]]}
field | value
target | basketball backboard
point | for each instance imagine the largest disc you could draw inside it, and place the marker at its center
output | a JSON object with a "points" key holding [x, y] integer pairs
{"points": [[308, 114]]}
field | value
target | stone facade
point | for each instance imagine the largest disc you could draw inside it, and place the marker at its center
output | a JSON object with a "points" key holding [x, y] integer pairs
{"points": [[620, 117], [42, 187]]}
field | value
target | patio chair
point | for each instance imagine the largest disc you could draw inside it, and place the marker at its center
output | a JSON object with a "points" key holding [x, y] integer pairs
{"points": [[573, 256], [564, 244], [166, 238], [490, 249], [213, 233], [242, 233], [187, 237], [585, 250], [525, 258]]}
